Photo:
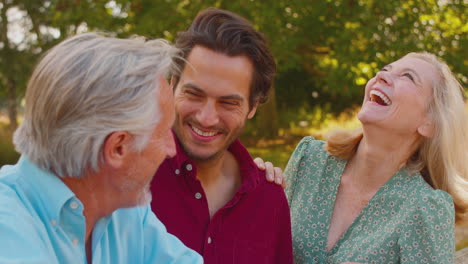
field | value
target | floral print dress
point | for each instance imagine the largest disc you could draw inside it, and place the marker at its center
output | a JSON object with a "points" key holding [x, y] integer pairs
{"points": [[406, 221]]}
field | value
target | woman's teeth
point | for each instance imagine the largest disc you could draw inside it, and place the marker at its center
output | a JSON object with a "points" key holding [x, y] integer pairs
{"points": [[380, 98], [201, 133]]}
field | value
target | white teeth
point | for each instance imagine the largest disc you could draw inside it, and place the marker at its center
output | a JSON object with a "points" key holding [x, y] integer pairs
{"points": [[381, 96], [201, 133]]}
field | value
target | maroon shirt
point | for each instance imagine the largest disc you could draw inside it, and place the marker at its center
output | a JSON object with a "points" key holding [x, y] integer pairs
{"points": [[254, 227]]}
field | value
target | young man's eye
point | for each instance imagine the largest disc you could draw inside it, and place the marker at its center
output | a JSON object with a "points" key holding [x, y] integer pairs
{"points": [[230, 103], [193, 94]]}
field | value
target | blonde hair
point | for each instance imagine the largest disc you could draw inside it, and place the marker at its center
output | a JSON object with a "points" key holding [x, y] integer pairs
{"points": [[85, 88], [443, 158]]}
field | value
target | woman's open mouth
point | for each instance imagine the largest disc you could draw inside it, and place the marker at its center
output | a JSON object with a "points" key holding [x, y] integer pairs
{"points": [[380, 98]]}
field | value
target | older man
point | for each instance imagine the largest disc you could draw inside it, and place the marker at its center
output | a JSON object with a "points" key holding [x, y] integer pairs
{"points": [[96, 128]]}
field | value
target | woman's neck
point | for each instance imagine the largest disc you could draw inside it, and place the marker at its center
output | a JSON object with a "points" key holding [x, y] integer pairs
{"points": [[379, 156]]}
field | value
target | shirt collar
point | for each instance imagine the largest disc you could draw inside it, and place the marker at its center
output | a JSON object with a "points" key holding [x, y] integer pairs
{"points": [[248, 169], [47, 190], [251, 175], [181, 158]]}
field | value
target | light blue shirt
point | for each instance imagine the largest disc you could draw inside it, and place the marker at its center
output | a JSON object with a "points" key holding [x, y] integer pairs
{"points": [[41, 221]]}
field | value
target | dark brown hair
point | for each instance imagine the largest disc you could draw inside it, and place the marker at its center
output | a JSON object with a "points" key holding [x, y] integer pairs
{"points": [[228, 33]]}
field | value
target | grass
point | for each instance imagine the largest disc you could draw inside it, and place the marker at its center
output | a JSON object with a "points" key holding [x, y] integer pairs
{"points": [[463, 244], [277, 154]]}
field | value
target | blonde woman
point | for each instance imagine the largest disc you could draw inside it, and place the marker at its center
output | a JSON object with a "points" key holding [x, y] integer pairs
{"points": [[390, 192]]}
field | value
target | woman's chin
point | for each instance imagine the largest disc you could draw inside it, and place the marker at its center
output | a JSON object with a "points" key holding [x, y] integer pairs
{"points": [[365, 117]]}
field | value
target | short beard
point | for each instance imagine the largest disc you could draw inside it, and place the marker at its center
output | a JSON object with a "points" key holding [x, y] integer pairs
{"points": [[145, 198], [214, 156], [179, 124]]}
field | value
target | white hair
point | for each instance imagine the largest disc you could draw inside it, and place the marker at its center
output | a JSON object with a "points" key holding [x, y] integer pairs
{"points": [[85, 88]]}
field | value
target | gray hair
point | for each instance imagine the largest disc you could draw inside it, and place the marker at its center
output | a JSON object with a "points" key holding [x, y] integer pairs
{"points": [[85, 88]]}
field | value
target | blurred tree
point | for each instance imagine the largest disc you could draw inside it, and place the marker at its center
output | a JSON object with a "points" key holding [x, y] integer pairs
{"points": [[325, 49], [343, 43], [29, 27]]}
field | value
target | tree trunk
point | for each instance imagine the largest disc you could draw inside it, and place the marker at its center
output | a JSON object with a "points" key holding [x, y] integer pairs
{"points": [[267, 119], [11, 103]]}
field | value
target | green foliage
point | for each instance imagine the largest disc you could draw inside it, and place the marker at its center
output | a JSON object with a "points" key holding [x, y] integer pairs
{"points": [[463, 244], [8, 155], [326, 50], [346, 42]]}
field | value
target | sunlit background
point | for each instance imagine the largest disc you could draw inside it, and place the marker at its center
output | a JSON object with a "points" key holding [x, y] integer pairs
{"points": [[326, 50]]}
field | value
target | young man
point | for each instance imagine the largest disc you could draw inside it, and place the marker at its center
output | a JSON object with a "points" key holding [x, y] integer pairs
{"points": [[211, 194], [96, 127]]}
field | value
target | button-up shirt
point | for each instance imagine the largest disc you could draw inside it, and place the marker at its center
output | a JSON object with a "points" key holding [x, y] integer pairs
{"points": [[42, 221], [253, 227]]}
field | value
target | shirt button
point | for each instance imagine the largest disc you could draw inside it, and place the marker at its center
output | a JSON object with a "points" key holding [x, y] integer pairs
{"points": [[53, 223], [177, 172], [189, 167], [198, 195], [73, 205], [209, 240], [75, 241]]}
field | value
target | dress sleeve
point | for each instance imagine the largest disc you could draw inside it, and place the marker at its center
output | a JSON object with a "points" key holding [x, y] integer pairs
{"points": [[292, 168], [428, 235], [162, 247]]}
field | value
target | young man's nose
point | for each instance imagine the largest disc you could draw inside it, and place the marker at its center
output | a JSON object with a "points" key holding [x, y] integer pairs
{"points": [[207, 115]]}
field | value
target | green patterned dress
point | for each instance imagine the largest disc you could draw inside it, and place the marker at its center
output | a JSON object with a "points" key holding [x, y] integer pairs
{"points": [[406, 221]]}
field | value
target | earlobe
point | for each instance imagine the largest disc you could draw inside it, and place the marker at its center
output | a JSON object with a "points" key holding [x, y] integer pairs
{"points": [[426, 129], [172, 82], [116, 148], [252, 110]]}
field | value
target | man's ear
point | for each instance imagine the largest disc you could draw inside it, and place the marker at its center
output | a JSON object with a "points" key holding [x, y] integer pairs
{"points": [[116, 149], [252, 110], [426, 129], [172, 82]]}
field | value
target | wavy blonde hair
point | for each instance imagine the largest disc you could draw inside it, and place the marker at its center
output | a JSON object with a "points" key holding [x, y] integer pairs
{"points": [[442, 159]]}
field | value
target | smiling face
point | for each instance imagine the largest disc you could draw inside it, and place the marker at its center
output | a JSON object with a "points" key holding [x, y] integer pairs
{"points": [[212, 102], [398, 97]]}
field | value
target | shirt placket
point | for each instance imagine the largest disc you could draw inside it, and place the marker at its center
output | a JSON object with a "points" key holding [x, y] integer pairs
{"points": [[199, 196], [73, 223], [214, 228], [214, 224]]}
